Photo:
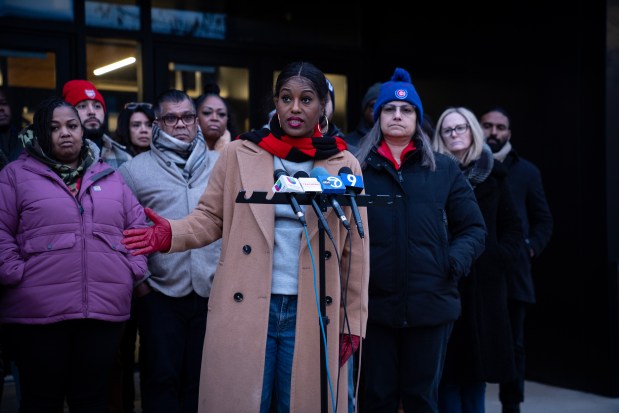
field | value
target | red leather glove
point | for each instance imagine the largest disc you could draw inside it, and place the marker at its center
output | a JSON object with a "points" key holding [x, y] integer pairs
{"points": [[146, 240], [349, 343]]}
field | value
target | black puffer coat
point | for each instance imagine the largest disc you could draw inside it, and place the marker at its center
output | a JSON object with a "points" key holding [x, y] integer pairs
{"points": [[422, 246]]}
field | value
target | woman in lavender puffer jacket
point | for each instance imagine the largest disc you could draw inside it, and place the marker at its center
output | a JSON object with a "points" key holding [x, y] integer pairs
{"points": [[66, 278]]}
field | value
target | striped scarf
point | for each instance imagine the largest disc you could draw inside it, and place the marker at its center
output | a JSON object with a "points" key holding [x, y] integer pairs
{"points": [[478, 170], [70, 176], [188, 156], [277, 143]]}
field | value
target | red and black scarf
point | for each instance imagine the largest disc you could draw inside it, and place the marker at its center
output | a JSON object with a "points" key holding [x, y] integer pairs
{"points": [[277, 143]]}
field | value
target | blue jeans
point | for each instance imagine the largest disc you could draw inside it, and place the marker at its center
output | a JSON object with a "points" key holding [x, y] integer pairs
{"points": [[351, 384], [279, 353]]}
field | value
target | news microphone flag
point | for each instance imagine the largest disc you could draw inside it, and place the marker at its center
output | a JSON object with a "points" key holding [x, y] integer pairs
{"points": [[354, 186], [310, 185], [332, 185], [351, 182], [289, 185]]}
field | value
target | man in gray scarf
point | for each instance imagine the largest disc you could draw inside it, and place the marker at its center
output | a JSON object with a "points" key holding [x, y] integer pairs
{"points": [[172, 302]]}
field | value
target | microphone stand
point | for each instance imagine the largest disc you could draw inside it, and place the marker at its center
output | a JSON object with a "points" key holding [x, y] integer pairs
{"points": [[306, 199], [324, 389]]}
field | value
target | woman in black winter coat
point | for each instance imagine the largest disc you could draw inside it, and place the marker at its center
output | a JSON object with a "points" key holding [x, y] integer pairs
{"points": [[419, 249], [480, 349]]}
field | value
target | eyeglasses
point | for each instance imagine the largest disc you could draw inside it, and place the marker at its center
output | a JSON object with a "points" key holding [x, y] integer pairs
{"points": [[172, 120], [459, 129], [405, 110], [135, 105]]}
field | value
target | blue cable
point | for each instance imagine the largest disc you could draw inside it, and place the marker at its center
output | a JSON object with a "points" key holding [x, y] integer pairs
{"points": [[322, 327]]}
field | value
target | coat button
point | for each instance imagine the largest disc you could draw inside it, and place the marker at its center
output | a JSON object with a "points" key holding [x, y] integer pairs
{"points": [[49, 247], [328, 300], [238, 297], [327, 255], [246, 249]]}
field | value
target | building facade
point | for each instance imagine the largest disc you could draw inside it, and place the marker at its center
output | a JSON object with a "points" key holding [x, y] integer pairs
{"points": [[553, 65]]}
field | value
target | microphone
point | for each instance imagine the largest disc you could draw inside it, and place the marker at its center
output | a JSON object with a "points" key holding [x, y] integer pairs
{"points": [[289, 185], [354, 186], [312, 186], [331, 185]]}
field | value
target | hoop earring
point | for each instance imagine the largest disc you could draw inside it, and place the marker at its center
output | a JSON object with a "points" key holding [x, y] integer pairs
{"points": [[326, 127]]}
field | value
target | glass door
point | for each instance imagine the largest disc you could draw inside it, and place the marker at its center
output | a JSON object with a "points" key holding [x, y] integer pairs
{"points": [[233, 83], [32, 70]]}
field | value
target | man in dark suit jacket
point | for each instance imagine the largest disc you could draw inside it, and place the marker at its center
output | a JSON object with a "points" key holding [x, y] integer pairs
{"points": [[525, 181]]}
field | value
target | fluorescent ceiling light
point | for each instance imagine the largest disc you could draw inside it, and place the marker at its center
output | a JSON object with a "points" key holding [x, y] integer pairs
{"points": [[113, 66]]}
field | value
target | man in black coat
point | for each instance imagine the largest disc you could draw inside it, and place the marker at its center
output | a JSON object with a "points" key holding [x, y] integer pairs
{"points": [[367, 117], [525, 182]]}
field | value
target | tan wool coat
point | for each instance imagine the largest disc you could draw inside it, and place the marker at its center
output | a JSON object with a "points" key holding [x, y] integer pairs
{"points": [[236, 333]]}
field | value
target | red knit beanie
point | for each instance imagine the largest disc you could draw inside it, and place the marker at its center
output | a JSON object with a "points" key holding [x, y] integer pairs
{"points": [[74, 91]]}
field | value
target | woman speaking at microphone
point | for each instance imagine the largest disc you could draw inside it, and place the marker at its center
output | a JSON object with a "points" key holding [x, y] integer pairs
{"points": [[262, 343]]}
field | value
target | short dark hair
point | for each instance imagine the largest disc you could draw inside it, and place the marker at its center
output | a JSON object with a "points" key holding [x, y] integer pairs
{"points": [[502, 111], [5, 92], [212, 89], [171, 95]]}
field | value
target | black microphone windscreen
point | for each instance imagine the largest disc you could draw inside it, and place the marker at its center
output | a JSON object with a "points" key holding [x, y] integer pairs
{"points": [[301, 174], [345, 170], [277, 173]]}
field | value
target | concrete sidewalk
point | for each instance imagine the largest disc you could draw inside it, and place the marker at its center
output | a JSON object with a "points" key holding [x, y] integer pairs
{"points": [[540, 398]]}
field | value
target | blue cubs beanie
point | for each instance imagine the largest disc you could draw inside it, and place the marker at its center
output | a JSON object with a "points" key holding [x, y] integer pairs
{"points": [[401, 88]]}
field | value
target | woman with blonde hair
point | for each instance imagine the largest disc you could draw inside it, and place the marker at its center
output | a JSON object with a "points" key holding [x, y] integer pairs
{"points": [[480, 348], [467, 127]]}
